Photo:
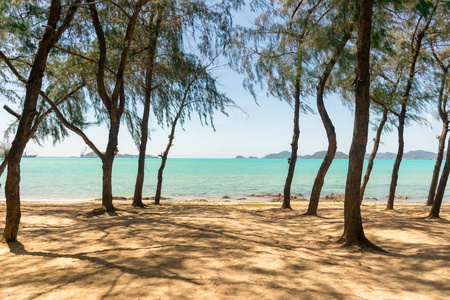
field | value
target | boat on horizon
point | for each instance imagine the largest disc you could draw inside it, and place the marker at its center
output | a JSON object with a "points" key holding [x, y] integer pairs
{"points": [[30, 156]]}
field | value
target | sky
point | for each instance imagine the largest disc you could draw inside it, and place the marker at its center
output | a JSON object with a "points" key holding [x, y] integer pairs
{"points": [[262, 128]]}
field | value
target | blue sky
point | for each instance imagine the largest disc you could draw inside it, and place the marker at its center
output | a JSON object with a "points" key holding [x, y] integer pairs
{"points": [[265, 128]]}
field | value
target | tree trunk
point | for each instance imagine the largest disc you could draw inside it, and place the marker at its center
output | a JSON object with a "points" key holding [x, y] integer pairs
{"points": [[442, 107], [435, 209], [331, 134], [416, 43], [163, 163], [373, 155], [398, 159], [34, 84], [107, 161], [160, 179], [12, 188], [137, 199], [353, 230], [294, 146], [3, 165], [437, 166]]}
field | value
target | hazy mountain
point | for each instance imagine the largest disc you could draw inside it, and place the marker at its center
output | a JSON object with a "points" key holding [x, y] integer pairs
{"points": [[321, 155], [281, 155], [413, 155], [420, 154], [93, 155], [383, 155]]}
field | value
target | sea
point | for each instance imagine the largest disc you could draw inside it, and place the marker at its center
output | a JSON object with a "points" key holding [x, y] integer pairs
{"points": [[81, 178]]}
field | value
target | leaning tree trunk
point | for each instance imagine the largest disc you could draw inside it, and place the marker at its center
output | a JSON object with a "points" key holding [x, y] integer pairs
{"points": [[165, 155], [353, 230], [398, 159], [137, 199], [3, 165], [437, 166], [331, 134], [107, 165], [435, 209], [294, 147], [373, 155], [416, 44], [12, 189], [34, 83]]}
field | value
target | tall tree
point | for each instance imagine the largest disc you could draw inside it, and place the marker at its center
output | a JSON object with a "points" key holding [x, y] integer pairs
{"points": [[110, 78], [153, 32], [52, 33], [421, 16], [373, 154], [353, 229], [443, 94], [276, 53], [328, 124], [193, 90], [180, 22]]}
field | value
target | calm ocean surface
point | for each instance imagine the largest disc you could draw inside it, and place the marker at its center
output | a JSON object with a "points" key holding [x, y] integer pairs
{"points": [[80, 178]]}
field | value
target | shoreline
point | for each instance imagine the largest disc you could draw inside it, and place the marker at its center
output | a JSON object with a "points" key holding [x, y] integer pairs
{"points": [[259, 198]]}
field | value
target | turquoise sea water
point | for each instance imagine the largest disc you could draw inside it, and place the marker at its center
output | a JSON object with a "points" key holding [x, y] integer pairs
{"points": [[80, 178]]}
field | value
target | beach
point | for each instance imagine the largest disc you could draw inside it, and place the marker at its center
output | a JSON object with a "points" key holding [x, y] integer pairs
{"points": [[200, 249]]}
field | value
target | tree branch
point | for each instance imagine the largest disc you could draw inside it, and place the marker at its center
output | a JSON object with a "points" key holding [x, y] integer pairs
{"points": [[71, 126], [12, 112]]}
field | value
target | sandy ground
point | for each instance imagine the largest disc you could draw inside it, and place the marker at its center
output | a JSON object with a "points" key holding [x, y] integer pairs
{"points": [[204, 251]]}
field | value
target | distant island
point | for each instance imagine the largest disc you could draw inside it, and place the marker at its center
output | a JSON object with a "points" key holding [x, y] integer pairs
{"points": [[93, 155], [411, 155]]}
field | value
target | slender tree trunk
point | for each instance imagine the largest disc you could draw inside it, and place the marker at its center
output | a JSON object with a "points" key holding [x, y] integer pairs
{"points": [[164, 157], [34, 83], [398, 159], [353, 230], [3, 165], [107, 161], [416, 45], [437, 166], [137, 199], [294, 147], [442, 107], [12, 189], [331, 134], [435, 209], [373, 154]]}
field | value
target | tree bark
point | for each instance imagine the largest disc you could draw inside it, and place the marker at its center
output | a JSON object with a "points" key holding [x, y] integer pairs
{"points": [[137, 199], [3, 165], [294, 147], [164, 157], [353, 229], [442, 107], [12, 189], [398, 159], [437, 166], [435, 209], [373, 154], [416, 44], [328, 124]]}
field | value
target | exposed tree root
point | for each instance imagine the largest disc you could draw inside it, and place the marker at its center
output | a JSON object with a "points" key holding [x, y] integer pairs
{"points": [[363, 244], [98, 212], [141, 206]]}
